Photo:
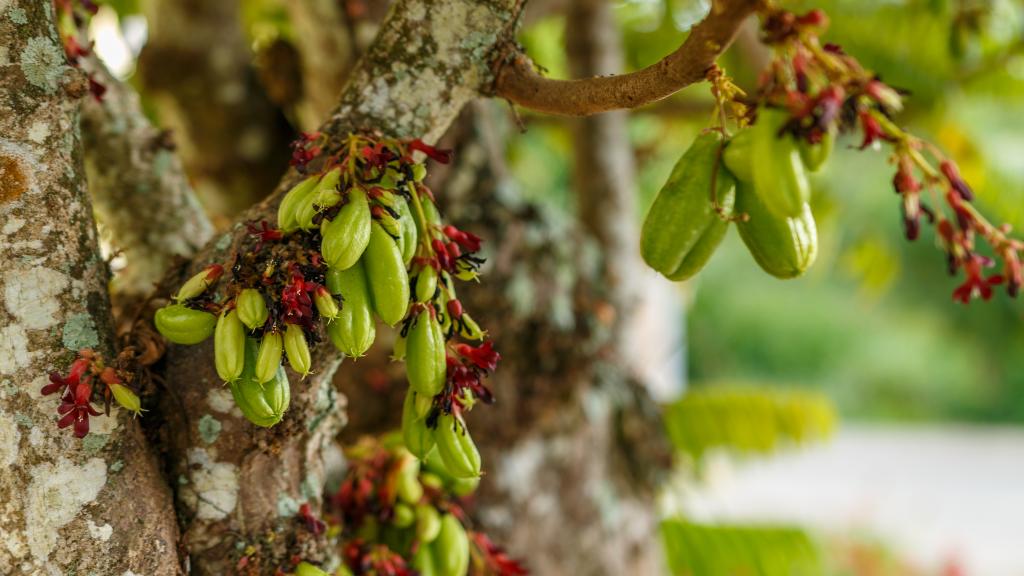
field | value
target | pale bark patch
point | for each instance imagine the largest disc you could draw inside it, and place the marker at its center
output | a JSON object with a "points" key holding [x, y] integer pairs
{"points": [[33, 296], [55, 495]]}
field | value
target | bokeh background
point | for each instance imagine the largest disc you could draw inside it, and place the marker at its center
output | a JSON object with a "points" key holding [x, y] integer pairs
{"points": [[856, 420]]}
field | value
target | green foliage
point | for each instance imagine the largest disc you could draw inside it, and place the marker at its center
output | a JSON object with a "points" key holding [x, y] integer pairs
{"points": [[747, 420], [721, 550]]}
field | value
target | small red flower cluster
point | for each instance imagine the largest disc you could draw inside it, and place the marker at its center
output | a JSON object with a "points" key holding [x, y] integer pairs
{"points": [[305, 148], [466, 370], [72, 17], [827, 91], [77, 391]]}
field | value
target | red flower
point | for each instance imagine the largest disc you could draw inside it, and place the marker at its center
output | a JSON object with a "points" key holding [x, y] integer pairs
{"points": [[952, 174], [498, 561], [871, 128], [436, 154], [264, 232], [76, 408], [467, 240], [313, 524], [974, 283], [483, 356]]}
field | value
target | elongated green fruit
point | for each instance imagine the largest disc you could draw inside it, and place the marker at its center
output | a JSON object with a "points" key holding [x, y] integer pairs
{"points": [[404, 516], [453, 546], [783, 247], [386, 276], [353, 330], [407, 484], [409, 233], [252, 308], [287, 210], [778, 172], [464, 486], [469, 328], [737, 156], [262, 403], [346, 236], [682, 228], [325, 303], [183, 325], [268, 359], [229, 346], [198, 283], [308, 208], [426, 284], [428, 523], [126, 398], [423, 560], [425, 363], [458, 452], [297, 348], [815, 155], [418, 438]]}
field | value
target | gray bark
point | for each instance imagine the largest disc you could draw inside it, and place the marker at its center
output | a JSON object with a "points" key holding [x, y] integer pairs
{"points": [[141, 194], [66, 505]]}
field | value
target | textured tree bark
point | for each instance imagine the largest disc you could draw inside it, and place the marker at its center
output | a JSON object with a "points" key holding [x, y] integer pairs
{"points": [[235, 486], [97, 505], [197, 66], [141, 194]]}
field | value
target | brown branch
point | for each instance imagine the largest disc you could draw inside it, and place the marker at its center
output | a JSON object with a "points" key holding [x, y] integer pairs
{"points": [[519, 82]]}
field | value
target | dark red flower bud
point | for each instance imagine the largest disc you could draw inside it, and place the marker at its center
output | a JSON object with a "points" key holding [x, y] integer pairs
{"points": [[952, 174]]}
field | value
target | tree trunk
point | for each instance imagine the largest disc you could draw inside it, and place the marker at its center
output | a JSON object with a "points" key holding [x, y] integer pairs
{"points": [[92, 506]]}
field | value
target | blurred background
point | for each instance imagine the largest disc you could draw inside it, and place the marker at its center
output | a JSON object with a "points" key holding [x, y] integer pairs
{"points": [[853, 421]]}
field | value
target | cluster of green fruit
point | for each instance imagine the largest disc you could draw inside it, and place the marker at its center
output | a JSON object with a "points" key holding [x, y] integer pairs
{"points": [[393, 514], [358, 241], [757, 179]]}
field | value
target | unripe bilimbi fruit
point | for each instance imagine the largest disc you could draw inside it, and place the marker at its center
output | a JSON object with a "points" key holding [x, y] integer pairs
{"points": [[252, 308], [268, 359], [198, 283], [386, 276], [458, 452], [353, 329], [345, 237], [425, 357], [229, 346], [682, 229], [287, 210], [183, 325], [418, 438], [778, 172], [297, 348], [262, 403], [783, 247], [452, 543]]}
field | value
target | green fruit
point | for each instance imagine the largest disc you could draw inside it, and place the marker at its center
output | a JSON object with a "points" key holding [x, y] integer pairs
{"points": [[737, 156], [404, 516], [428, 523], [423, 560], [783, 247], [464, 486], [426, 284], [778, 172], [815, 155], [425, 359], [408, 233], [268, 359], [198, 283], [229, 346], [262, 403], [126, 398], [347, 235], [325, 189], [452, 548], [458, 452], [418, 438], [183, 325], [407, 483], [353, 330], [297, 348], [307, 569], [252, 308], [287, 210], [325, 303], [682, 228], [386, 276]]}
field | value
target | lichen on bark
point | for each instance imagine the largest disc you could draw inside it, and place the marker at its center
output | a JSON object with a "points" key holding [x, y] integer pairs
{"points": [[63, 506]]}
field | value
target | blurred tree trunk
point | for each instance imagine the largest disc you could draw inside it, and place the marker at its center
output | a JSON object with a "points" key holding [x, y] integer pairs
{"points": [[198, 68]]}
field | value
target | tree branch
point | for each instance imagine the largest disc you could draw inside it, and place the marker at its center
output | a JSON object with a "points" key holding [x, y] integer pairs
{"points": [[138, 185], [519, 82]]}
